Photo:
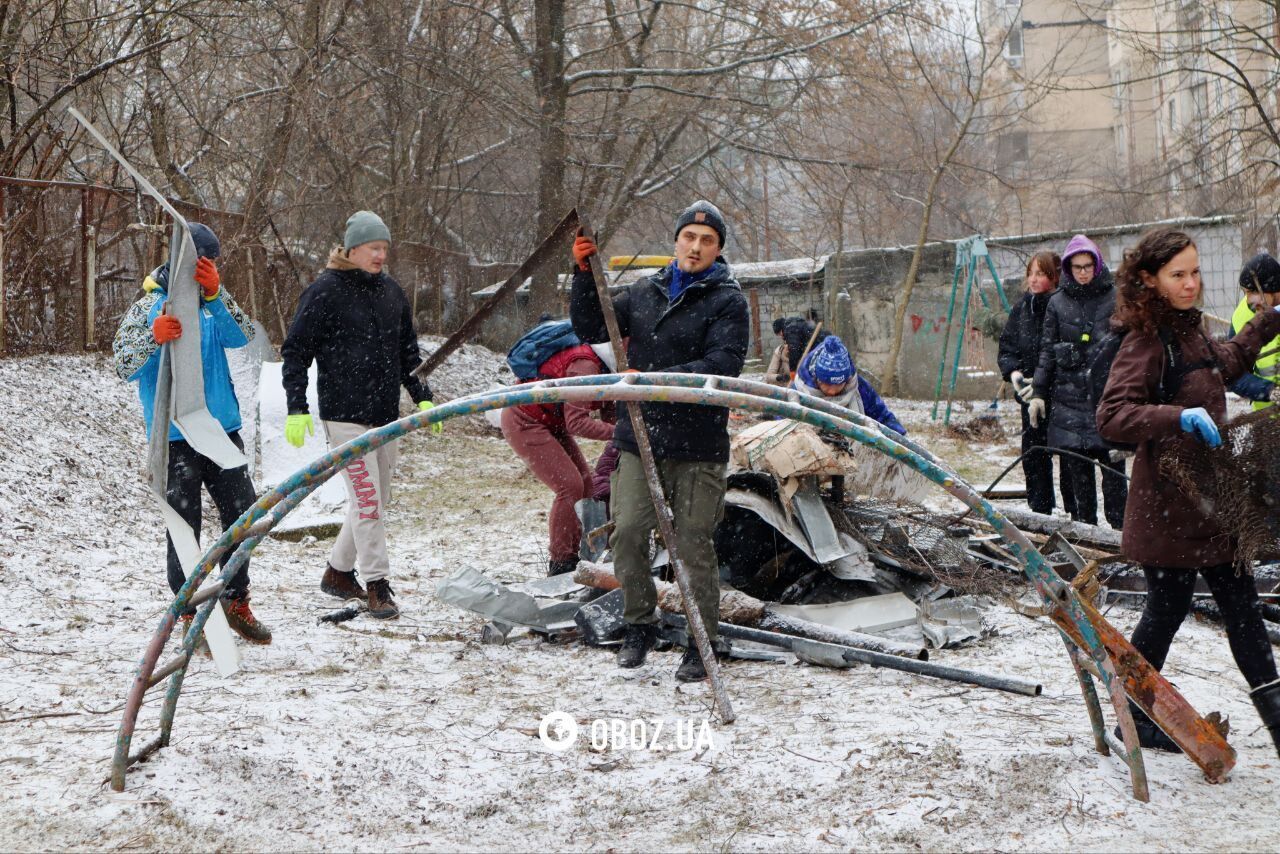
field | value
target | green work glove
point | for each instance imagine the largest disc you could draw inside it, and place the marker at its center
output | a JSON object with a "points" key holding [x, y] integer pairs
{"points": [[297, 428], [438, 427]]}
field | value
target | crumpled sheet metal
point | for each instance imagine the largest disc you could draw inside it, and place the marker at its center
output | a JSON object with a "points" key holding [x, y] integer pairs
{"points": [[856, 565], [949, 623], [473, 590]]}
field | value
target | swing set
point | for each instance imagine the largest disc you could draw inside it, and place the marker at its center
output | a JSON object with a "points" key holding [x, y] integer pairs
{"points": [[970, 252]]}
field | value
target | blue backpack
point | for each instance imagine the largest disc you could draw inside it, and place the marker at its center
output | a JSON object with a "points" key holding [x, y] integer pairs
{"points": [[539, 344]]}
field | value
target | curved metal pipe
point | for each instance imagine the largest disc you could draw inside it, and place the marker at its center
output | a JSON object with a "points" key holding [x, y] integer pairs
{"points": [[695, 389]]}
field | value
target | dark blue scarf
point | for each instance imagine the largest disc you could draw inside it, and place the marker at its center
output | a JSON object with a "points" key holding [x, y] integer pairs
{"points": [[680, 280]]}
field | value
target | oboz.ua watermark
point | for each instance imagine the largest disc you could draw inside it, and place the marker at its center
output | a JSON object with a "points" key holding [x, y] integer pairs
{"points": [[559, 731]]}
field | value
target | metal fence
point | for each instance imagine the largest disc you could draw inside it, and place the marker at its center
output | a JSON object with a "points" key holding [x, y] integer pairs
{"points": [[73, 258]]}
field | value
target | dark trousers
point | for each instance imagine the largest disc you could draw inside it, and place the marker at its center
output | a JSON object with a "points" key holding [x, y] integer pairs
{"points": [[1037, 469], [1115, 489], [231, 491], [1169, 599]]}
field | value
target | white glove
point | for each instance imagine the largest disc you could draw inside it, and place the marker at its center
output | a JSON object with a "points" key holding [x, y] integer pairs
{"points": [[1022, 387], [1275, 393], [1035, 411]]}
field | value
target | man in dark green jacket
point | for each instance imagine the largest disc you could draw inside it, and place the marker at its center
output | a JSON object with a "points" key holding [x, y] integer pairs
{"points": [[689, 318]]}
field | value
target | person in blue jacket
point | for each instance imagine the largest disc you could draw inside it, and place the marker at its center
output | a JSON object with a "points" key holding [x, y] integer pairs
{"points": [[828, 372], [144, 328]]}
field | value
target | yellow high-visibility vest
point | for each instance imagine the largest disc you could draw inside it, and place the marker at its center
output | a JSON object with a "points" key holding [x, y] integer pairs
{"points": [[1268, 364]]}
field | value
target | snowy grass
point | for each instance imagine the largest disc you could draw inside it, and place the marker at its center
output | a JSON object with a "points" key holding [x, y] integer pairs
{"points": [[410, 734]]}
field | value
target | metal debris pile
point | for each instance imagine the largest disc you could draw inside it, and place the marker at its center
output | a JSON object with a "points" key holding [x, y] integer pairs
{"points": [[816, 566]]}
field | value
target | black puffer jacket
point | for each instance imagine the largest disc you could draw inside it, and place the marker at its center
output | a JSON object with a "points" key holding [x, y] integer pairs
{"points": [[1020, 339], [705, 331], [1077, 318], [359, 330]]}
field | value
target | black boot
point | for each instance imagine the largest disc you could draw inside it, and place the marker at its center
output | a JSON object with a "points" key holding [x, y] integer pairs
{"points": [[1266, 699], [1150, 736], [636, 643], [560, 567], [692, 668]]}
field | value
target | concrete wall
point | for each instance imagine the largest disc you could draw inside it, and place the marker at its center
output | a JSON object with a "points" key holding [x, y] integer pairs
{"points": [[864, 283]]}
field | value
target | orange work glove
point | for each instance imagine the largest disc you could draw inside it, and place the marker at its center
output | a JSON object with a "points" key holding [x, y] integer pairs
{"points": [[166, 328], [583, 248], [208, 278]]}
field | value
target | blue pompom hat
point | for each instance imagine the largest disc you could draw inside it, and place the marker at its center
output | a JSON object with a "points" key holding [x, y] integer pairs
{"points": [[831, 363]]}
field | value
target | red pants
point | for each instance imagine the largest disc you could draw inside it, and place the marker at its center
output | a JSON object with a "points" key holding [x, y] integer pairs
{"points": [[556, 460]]}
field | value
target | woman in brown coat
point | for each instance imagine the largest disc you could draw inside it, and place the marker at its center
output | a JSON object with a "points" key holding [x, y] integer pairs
{"points": [[1164, 530]]}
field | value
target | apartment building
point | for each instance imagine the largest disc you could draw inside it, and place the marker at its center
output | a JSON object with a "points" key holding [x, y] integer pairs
{"points": [[1135, 109]]}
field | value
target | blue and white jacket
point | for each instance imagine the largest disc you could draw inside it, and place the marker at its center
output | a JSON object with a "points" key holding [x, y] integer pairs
{"points": [[867, 400], [137, 355]]}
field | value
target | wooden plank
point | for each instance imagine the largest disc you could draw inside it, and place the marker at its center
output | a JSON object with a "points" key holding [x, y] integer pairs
{"points": [[553, 244]]}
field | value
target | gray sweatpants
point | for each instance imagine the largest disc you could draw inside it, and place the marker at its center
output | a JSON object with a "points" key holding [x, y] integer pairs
{"points": [[363, 538]]}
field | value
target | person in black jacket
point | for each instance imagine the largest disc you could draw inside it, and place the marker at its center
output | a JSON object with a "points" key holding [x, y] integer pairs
{"points": [[1019, 355], [796, 332], [689, 318], [355, 323], [1076, 319]]}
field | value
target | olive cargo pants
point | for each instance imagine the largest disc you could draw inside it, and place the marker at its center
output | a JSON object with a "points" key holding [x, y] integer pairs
{"points": [[695, 493]]}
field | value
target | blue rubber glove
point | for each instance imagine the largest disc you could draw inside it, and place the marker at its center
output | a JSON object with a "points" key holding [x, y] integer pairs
{"points": [[297, 428], [436, 428], [1198, 422]]}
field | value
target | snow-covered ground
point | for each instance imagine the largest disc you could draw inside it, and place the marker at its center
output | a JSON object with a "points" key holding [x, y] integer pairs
{"points": [[412, 735]]}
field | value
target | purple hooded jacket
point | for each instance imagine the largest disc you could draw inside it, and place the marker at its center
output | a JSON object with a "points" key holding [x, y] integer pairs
{"points": [[1075, 246]]}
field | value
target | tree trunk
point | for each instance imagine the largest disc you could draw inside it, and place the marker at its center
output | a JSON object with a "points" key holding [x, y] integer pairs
{"points": [[553, 97], [890, 381]]}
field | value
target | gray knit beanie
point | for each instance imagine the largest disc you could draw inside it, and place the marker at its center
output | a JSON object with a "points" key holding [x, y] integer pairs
{"points": [[364, 227]]}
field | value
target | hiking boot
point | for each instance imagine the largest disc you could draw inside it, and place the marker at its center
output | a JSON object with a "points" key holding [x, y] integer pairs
{"points": [[636, 643], [341, 584], [381, 605], [244, 623], [202, 646], [560, 567], [1266, 699], [692, 668], [1150, 736]]}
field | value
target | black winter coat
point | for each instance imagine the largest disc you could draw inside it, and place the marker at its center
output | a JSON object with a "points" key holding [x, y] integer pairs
{"points": [[1077, 318], [705, 331], [359, 330], [1020, 339]]}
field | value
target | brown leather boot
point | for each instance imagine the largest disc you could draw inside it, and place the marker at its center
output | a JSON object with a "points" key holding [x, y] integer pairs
{"points": [[244, 623], [341, 584], [381, 605]]}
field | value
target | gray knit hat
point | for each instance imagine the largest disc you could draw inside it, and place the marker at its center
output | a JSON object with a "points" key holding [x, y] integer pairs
{"points": [[364, 227], [703, 212]]}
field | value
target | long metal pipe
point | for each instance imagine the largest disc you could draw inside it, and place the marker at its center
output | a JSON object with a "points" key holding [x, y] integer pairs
{"points": [[849, 654]]}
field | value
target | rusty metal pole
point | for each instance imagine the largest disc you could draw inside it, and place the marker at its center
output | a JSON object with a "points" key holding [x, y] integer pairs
{"points": [[253, 284], [87, 311], [666, 522], [91, 290], [753, 296]]}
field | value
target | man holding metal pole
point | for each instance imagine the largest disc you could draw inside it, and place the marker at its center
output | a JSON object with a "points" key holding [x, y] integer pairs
{"points": [[689, 318]]}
